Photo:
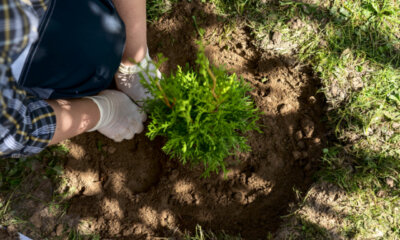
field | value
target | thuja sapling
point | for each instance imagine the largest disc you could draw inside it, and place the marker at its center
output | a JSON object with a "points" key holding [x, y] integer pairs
{"points": [[203, 113]]}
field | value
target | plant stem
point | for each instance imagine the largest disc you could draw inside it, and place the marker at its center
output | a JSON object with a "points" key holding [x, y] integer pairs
{"points": [[214, 83], [197, 27], [164, 95]]}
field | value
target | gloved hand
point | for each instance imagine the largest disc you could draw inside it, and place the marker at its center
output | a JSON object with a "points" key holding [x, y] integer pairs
{"points": [[128, 78], [120, 118]]}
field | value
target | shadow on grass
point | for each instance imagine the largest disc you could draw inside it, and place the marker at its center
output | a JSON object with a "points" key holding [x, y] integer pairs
{"points": [[361, 170], [371, 32]]}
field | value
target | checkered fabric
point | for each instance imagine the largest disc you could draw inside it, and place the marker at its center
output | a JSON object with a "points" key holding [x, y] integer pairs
{"points": [[27, 124]]}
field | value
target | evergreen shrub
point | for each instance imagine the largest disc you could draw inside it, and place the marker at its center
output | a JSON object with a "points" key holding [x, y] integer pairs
{"points": [[203, 112]]}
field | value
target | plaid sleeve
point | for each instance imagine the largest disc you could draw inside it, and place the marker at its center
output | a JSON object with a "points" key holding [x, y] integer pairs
{"points": [[40, 6], [27, 124]]}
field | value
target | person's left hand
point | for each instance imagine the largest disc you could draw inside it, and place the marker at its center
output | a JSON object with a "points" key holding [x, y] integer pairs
{"points": [[120, 118], [128, 79]]}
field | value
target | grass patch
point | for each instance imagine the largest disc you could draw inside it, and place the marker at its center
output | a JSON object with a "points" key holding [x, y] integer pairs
{"points": [[14, 171], [76, 235], [156, 8], [21, 178], [372, 217], [201, 234]]}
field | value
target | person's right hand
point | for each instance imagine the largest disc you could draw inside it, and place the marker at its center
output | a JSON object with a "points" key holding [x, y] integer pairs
{"points": [[120, 118], [128, 79]]}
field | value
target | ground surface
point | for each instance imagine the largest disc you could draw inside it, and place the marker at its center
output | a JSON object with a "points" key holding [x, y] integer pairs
{"points": [[132, 190], [6, 234], [92, 188]]}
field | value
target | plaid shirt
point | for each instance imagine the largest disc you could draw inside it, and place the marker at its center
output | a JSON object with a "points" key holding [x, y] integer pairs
{"points": [[27, 124]]}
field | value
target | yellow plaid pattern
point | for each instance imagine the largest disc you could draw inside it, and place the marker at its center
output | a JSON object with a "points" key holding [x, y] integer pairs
{"points": [[27, 124]]}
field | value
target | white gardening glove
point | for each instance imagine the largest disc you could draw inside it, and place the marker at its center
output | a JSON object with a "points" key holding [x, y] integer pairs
{"points": [[128, 79], [120, 118]]}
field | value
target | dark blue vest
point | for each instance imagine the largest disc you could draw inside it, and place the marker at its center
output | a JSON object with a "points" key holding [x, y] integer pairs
{"points": [[79, 49]]}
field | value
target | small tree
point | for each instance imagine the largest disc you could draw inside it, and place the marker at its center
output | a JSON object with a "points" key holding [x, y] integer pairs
{"points": [[203, 114]]}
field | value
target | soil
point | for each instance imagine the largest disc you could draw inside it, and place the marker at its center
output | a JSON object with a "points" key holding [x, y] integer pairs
{"points": [[6, 234], [132, 190], [324, 207]]}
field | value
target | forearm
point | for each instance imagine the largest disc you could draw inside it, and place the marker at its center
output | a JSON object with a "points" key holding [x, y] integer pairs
{"points": [[73, 117], [133, 13]]}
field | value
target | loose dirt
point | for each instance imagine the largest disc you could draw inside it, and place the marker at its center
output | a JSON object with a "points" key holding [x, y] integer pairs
{"points": [[324, 208], [132, 190], [6, 234]]}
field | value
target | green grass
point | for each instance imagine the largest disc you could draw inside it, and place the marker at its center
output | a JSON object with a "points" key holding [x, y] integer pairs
{"points": [[372, 186], [201, 234], [76, 235], [156, 8], [373, 217]]}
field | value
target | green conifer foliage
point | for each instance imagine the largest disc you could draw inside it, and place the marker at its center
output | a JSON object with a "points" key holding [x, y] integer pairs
{"points": [[203, 113]]}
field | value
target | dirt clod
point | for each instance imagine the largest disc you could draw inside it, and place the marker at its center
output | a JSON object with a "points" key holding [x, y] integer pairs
{"points": [[308, 127], [299, 135], [390, 182], [59, 229], [357, 83], [296, 155], [112, 149], [316, 141], [312, 100], [238, 196], [301, 144], [296, 23], [276, 37]]}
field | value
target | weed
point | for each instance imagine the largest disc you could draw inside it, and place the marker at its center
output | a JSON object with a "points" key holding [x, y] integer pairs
{"points": [[100, 145], [75, 235], [201, 234], [200, 31], [12, 172], [155, 8]]}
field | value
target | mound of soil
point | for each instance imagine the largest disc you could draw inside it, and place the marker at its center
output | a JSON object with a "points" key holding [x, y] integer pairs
{"points": [[132, 190]]}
